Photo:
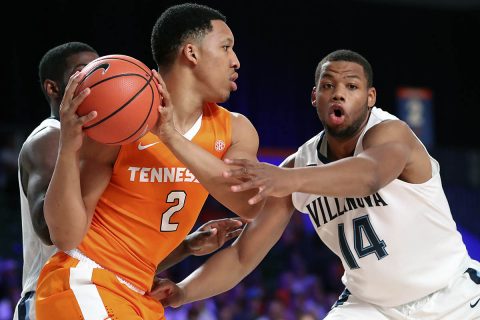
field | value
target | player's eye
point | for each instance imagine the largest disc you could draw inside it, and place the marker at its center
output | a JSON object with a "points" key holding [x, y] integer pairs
{"points": [[326, 86]]}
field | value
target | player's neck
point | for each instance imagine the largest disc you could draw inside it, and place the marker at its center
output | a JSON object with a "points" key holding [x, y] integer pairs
{"points": [[340, 148], [184, 121], [187, 104]]}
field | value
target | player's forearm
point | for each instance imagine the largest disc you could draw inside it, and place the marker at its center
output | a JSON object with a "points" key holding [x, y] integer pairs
{"points": [[64, 209], [343, 178], [176, 256], [228, 267], [209, 171], [225, 269], [220, 273]]}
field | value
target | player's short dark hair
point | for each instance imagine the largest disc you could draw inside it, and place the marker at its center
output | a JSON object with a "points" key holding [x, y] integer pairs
{"points": [[54, 63], [177, 24], [346, 55]]}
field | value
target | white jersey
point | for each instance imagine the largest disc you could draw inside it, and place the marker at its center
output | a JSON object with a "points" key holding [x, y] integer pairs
{"points": [[396, 245], [35, 252]]}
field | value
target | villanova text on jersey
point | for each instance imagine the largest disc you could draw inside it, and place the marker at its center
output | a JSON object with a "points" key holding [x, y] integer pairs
{"points": [[325, 209]]}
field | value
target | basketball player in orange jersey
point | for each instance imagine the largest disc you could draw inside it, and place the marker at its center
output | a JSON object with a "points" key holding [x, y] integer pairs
{"points": [[116, 212], [37, 161]]}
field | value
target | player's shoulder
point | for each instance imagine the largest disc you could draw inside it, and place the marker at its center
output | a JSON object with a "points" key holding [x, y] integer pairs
{"points": [[100, 153], [383, 120], [237, 116], [241, 124], [40, 140], [39, 148], [391, 128]]}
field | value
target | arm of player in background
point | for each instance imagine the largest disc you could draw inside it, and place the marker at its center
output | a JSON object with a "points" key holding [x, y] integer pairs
{"points": [[207, 168], [36, 163], [76, 184], [208, 238]]}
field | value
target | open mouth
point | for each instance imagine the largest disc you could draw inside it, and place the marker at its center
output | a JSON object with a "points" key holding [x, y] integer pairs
{"points": [[337, 114], [337, 111]]}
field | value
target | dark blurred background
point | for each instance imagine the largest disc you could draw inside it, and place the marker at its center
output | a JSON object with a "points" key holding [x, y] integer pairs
{"points": [[426, 70]]}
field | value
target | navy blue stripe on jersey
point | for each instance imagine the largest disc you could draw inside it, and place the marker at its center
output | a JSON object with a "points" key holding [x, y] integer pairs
{"points": [[474, 275], [320, 156], [25, 305], [343, 298]]}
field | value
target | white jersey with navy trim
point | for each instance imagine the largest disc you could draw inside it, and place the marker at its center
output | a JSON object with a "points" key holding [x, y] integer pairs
{"points": [[396, 245], [35, 252]]}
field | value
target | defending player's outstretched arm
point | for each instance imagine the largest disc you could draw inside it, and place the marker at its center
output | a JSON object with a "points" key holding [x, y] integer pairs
{"points": [[389, 148]]}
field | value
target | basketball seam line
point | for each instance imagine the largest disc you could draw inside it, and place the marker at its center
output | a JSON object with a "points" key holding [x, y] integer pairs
{"points": [[124, 105]]}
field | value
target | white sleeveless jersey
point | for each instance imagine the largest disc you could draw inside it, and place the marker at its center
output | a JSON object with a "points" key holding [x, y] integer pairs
{"points": [[35, 252], [396, 245]]}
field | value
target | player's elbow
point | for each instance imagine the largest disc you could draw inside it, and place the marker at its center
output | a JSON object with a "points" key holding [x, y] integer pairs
{"points": [[243, 267], [65, 245], [370, 182], [65, 240], [249, 211]]}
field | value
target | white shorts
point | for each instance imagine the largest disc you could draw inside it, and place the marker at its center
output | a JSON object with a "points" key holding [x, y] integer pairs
{"points": [[460, 300]]}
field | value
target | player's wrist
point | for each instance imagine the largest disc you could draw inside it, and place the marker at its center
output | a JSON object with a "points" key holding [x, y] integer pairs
{"points": [[181, 295], [187, 249], [168, 134], [294, 180]]}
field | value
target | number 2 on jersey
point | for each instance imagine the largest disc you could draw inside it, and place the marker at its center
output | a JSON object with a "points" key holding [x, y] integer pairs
{"points": [[361, 227], [173, 197]]}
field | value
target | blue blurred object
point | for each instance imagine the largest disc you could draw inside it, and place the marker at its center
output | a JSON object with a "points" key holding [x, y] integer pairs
{"points": [[414, 106], [471, 242]]}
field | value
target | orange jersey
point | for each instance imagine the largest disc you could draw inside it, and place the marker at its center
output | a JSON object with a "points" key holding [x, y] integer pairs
{"points": [[151, 202]]}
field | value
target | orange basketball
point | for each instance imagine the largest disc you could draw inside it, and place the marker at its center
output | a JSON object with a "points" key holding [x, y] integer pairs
{"points": [[125, 96]]}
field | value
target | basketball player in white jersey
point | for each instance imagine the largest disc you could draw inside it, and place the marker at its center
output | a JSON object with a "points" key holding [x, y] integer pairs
{"points": [[36, 163], [375, 198]]}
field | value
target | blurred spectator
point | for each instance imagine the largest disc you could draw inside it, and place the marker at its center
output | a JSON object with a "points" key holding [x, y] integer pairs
{"points": [[8, 169], [9, 288]]}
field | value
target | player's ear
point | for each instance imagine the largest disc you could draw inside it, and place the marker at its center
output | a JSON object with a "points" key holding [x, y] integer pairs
{"points": [[51, 88], [314, 97], [190, 52], [372, 97]]}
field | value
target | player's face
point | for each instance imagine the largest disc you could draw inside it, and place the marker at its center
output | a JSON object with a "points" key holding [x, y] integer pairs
{"points": [[342, 98], [76, 62], [217, 63]]}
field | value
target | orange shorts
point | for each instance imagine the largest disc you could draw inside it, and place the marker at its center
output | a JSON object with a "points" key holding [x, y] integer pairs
{"points": [[69, 288]]}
